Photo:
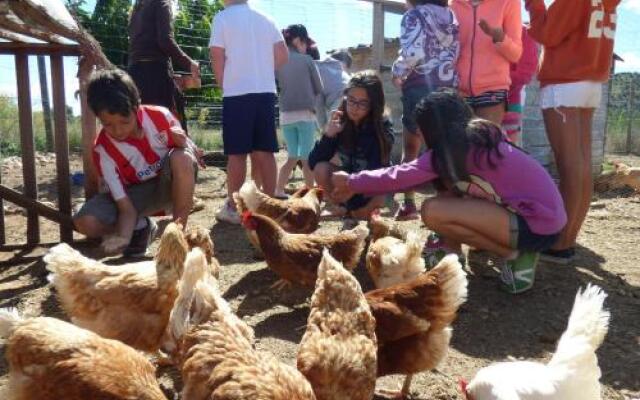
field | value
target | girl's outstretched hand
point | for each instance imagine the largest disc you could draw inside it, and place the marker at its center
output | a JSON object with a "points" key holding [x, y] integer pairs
{"points": [[341, 191], [335, 125]]}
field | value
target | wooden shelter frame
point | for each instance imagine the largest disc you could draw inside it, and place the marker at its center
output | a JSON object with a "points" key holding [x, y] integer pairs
{"points": [[27, 28]]}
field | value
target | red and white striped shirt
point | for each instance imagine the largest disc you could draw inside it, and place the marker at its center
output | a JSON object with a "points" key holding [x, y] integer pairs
{"points": [[127, 162]]}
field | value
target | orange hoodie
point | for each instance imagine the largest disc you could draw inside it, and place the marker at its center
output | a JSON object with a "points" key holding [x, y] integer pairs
{"points": [[577, 36], [483, 65]]}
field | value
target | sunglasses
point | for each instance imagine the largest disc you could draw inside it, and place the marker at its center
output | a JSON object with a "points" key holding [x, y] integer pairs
{"points": [[362, 104]]}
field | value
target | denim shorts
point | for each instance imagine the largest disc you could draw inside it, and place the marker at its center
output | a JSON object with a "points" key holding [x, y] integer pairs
{"points": [[249, 123], [410, 99], [522, 238], [583, 94], [300, 137]]}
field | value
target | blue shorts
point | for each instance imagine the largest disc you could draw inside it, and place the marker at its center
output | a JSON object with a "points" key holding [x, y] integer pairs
{"points": [[410, 99], [300, 138], [249, 123], [522, 238]]}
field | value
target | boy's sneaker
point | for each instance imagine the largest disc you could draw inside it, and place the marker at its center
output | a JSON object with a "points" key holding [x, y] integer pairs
{"points": [[407, 212], [560, 257], [228, 214], [141, 239], [518, 275]]}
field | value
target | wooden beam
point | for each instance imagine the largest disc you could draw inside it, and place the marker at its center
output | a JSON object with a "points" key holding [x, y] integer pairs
{"points": [[27, 144], [30, 204], [39, 49], [62, 145], [377, 53]]}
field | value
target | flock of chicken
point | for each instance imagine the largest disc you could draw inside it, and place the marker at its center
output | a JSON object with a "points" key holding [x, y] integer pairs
{"points": [[172, 307]]}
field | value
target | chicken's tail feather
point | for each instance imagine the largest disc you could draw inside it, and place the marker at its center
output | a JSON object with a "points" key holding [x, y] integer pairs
{"points": [[588, 322], [196, 270], [453, 284], [9, 319], [63, 258]]}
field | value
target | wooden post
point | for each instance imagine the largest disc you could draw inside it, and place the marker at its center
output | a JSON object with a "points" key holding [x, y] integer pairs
{"points": [[2, 236], [26, 144], [378, 36], [88, 135], [46, 104], [62, 145]]}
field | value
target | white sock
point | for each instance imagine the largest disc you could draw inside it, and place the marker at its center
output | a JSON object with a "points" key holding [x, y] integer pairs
{"points": [[141, 223]]}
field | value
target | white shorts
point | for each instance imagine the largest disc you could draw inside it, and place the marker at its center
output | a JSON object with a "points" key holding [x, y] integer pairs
{"points": [[584, 94]]}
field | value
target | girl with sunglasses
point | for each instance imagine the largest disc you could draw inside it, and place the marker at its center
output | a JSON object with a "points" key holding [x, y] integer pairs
{"points": [[358, 137]]}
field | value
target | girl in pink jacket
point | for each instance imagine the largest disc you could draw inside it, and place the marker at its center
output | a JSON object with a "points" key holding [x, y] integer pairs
{"points": [[490, 41]]}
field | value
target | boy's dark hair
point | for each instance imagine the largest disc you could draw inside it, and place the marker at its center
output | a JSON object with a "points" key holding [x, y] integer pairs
{"points": [[113, 91], [343, 56], [441, 3], [370, 81], [450, 130]]}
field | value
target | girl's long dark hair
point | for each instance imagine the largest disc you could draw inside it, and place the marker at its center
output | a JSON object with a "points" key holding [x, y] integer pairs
{"points": [[369, 81], [450, 130]]}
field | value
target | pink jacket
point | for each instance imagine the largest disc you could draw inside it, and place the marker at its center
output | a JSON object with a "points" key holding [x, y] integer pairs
{"points": [[483, 65]]}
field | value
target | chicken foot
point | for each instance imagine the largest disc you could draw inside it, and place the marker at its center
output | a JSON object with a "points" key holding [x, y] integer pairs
{"points": [[404, 393], [281, 284]]}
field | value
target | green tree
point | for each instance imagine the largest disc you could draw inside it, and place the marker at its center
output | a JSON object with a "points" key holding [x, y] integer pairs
{"points": [[108, 25]]}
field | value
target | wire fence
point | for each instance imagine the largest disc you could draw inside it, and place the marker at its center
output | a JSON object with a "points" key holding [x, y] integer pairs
{"points": [[623, 114]]}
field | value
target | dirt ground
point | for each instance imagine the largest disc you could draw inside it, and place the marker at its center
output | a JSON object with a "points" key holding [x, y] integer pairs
{"points": [[492, 326]]}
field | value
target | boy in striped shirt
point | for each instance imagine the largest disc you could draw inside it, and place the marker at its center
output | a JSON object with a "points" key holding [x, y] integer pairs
{"points": [[146, 163]]}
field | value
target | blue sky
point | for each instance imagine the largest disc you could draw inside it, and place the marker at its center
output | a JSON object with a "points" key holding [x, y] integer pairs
{"points": [[332, 24]]}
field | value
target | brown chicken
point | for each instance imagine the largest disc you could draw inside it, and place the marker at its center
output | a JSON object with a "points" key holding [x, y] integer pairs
{"points": [[130, 302], [294, 215], [338, 351], [50, 359], [391, 261], [295, 257], [381, 227], [218, 359], [197, 236], [413, 320]]}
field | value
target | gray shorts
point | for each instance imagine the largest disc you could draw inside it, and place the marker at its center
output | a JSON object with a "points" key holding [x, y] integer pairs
{"points": [[148, 198]]}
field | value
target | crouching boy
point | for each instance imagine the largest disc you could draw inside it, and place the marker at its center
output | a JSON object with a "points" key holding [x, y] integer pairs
{"points": [[145, 162]]}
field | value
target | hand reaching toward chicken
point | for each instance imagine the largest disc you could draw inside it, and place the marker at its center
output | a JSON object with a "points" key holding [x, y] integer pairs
{"points": [[341, 191]]}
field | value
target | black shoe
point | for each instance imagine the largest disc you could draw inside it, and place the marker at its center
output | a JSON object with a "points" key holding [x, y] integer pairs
{"points": [[561, 257], [141, 239]]}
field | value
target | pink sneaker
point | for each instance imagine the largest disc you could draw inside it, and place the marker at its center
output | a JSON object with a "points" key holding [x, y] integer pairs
{"points": [[407, 212]]}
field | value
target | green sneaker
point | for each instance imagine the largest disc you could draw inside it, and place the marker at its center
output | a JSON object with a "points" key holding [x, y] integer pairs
{"points": [[518, 275]]}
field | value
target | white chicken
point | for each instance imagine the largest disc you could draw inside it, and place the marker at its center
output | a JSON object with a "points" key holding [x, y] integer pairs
{"points": [[572, 373]]}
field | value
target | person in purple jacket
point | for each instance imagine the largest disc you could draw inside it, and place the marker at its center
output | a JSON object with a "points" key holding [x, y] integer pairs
{"points": [[505, 202]]}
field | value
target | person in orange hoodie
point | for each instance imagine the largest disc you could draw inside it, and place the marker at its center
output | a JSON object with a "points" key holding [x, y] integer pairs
{"points": [[490, 41], [577, 36]]}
